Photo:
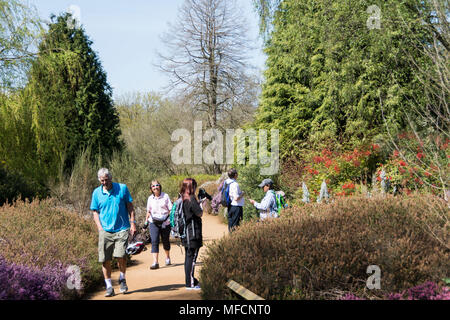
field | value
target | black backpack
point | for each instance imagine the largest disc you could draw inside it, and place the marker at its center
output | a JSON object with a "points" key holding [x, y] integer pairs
{"points": [[225, 199], [180, 227]]}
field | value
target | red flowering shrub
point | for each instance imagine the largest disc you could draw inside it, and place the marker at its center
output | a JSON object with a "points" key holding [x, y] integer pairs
{"points": [[413, 165], [348, 189], [341, 170], [418, 165]]}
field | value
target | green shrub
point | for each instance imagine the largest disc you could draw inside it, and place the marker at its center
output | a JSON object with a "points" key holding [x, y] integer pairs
{"points": [[14, 186], [249, 178], [37, 234], [317, 250]]}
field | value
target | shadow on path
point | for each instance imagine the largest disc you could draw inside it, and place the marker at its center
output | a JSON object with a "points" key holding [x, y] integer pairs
{"points": [[169, 287]]}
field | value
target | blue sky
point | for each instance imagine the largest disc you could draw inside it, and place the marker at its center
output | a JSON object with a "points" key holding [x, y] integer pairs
{"points": [[126, 35]]}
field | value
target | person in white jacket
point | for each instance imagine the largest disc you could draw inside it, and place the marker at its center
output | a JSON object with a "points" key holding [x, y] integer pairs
{"points": [[268, 206], [235, 208]]}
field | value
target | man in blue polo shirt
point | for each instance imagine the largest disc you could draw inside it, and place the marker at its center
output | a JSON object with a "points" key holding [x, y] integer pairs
{"points": [[114, 216]]}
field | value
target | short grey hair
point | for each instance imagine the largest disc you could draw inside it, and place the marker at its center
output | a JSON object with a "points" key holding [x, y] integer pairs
{"points": [[102, 172]]}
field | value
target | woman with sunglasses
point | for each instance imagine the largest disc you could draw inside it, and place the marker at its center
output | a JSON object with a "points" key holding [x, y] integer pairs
{"points": [[158, 211]]}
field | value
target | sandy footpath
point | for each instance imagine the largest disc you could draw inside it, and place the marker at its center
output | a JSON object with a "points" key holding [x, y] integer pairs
{"points": [[167, 282]]}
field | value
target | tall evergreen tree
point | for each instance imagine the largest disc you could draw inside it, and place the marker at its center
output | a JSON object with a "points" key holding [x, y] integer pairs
{"points": [[329, 71], [71, 95]]}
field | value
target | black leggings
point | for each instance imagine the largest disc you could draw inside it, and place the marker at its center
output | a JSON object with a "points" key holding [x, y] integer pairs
{"points": [[189, 266], [155, 231]]}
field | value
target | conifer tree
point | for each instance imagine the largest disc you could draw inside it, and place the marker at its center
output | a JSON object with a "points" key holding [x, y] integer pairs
{"points": [[328, 70], [72, 99]]}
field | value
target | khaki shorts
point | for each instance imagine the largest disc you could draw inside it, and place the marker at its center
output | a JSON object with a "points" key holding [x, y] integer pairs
{"points": [[112, 245]]}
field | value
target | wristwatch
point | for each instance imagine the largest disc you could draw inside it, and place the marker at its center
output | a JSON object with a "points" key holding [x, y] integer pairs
{"points": [[134, 221]]}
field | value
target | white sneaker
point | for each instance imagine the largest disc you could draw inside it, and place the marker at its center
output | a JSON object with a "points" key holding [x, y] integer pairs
{"points": [[197, 287], [168, 262], [110, 292], [123, 286]]}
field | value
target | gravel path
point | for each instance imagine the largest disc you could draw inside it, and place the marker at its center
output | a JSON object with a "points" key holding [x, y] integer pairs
{"points": [[167, 282]]}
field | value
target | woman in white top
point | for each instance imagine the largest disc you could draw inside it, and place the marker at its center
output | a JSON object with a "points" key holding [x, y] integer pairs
{"points": [[158, 212]]}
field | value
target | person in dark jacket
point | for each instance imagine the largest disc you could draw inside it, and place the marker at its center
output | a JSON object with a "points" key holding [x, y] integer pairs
{"points": [[194, 239]]}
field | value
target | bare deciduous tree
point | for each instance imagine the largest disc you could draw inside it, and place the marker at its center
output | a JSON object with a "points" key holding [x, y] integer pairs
{"points": [[206, 57]]}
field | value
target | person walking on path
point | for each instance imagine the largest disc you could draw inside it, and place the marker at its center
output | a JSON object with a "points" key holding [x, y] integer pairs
{"points": [[268, 207], [235, 209], [113, 213], [158, 211], [194, 239]]}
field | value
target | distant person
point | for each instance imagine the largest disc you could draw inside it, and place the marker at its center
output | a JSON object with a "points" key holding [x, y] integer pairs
{"points": [[194, 239], [268, 207], [215, 202], [235, 209], [114, 216], [158, 212]]}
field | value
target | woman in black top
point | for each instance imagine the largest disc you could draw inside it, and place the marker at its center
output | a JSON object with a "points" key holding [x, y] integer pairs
{"points": [[193, 240]]}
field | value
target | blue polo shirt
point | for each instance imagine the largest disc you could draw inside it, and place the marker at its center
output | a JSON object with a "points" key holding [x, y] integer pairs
{"points": [[112, 207]]}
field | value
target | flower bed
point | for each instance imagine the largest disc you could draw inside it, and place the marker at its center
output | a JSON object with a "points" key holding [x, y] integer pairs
{"points": [[39, 242]]}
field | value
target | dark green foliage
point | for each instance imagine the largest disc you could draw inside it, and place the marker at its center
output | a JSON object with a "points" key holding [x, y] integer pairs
{"points": [[14, 186], [249, 179], [71, 92], [331, 78]]}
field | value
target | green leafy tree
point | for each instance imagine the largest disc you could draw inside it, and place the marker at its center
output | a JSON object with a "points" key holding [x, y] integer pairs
{"points": [[266, 11], [20, 27], [147, 122], [18, 144]]}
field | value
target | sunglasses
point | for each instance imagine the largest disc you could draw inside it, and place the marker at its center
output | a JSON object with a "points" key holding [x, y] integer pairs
{"points": [[156, 185]]}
